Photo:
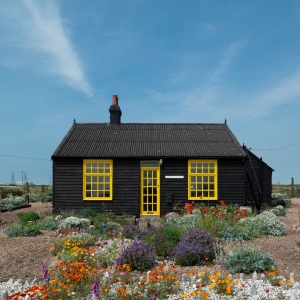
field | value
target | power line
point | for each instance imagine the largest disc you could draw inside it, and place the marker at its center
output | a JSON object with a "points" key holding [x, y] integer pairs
{"points": [[276, 148], [25, 157], [271, 132]]}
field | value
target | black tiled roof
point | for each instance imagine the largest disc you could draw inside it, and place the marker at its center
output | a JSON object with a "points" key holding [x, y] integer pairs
{"points": [[149, 140]]}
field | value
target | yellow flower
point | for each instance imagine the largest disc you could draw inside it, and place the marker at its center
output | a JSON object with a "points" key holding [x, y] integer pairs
{"points": [[228, 289], [212, 286], [184, 295]]}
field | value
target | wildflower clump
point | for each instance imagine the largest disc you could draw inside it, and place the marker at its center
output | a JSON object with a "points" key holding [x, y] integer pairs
{"points": [[139, 255], [279, 210], [220, 283], [195, 247]]}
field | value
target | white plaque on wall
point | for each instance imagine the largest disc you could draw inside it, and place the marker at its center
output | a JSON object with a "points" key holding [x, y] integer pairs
{"points": [[176, 176]]}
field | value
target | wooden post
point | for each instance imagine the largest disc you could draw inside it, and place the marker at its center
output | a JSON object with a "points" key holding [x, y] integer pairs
{"points": [[278, 186], [293, 187], [27, 188]]}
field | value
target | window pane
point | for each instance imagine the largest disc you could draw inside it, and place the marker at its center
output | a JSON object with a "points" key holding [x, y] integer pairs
{"points": [[88, 186], [149, 191], [145, 207], [107, 194], [193, 194], [154, 199], [100, 194], [88, 194], [154, 207], [212, 165], [193, 186], [211, 186], [94, 179], [100, 171], [107, 186], [205, 170], [94, 165], [149, 207], [88, 178], [199, 170], [199, 186], [101, 186], [145, 199], [205, 186], [150, 163], [205, 178], [211, 179], [88, 165], [193, 178], [154, 191], [106, 170], [145, 174], [205, 194], [199, 165], [88, 170], [205, 165], [211, 170], [101, 165], [94, 194], [107, 165], [149, 182], [94, 186], [154, 174], [199, 179], [193, 170], [145, 182], [211, 194], [100, 179], [155, 182], [193, 165], [94, 170], [107, 178], [150, 174], [199, 194]]}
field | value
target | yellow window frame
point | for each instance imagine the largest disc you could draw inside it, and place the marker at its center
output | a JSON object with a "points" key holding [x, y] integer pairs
{"points": [[202, 179], [97, 179]]}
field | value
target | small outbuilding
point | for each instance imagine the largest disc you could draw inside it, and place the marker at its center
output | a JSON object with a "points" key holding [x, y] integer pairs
{"points": [[144, 169]]}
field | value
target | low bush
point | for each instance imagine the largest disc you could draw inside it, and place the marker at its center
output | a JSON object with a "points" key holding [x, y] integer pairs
{"points": [[28, 217], [108, 228], [30, 229], [266, 223], [195, 247], [49, 223], [248, 260], [11, 201], [139, 255], [279, 211], [5, 193], [239, 232], [88, 213], [130, 231], [75, 223]]}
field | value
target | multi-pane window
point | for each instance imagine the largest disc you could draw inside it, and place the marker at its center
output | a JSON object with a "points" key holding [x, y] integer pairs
{"points": [[203, 179], [97, 179]]}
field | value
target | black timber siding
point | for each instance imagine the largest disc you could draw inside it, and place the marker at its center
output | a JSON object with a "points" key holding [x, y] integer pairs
{"points": [[68, 184], [264, 177]]}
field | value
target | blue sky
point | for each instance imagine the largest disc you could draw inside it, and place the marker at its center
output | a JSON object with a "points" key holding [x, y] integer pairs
{"points": [[168, 61]]}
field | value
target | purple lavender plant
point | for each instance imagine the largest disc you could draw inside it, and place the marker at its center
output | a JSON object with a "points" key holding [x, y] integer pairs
{"points": [[45, 274], [138, 255], [130, 231], [194, 248], [96, 289]]}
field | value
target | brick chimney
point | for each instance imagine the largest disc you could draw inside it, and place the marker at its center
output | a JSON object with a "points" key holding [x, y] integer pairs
{"points": [[115, 111]]}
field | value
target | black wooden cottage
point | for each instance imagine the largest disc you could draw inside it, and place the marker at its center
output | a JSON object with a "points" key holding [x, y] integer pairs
{"points": [[143, 169]]}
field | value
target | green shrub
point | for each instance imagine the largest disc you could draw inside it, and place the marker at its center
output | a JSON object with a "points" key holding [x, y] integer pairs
{"points": [[239, 232], [49, 223], [14, 230], [247, 260], [12, 201], [266, 223], [28, 217], [88, 212], [130, 231], [105, 227], [279, 211], [74, 222], [31, 229]]}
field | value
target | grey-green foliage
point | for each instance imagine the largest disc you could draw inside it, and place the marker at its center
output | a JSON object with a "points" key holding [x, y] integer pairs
{"points": [[279, 211], [186, 221], [102, 228], [247, 260], [239, 232], [30, 229], [49, 223], [11, 201], [266, 223]]}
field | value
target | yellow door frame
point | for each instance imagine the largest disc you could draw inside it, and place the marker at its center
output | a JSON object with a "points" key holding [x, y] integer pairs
{"points": [[150, 188]]}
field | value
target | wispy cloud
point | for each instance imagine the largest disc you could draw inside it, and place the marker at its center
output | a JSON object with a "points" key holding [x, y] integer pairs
{"points": [[42, 31], [228, 57]]}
